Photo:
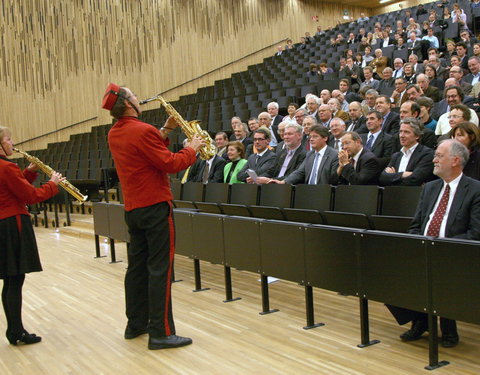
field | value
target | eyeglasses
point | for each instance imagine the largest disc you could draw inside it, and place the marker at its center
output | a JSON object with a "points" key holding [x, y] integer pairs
{"points": [[259, 139], [454, 116]]}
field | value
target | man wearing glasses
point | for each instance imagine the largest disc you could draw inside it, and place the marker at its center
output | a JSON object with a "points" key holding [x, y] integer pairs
{"points": [[263, 160]]}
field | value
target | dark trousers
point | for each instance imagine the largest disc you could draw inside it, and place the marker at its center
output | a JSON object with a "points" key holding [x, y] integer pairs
{"points": [[150, 267], [402, 315], [12, 303]]}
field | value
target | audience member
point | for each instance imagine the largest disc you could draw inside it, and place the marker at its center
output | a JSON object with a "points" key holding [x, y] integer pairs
{"points": [[390, 120], [376, 140], [413, 164], [320, 164], [426, 105], [337, 130], [468, 134], [236, 155], [357, 121]]}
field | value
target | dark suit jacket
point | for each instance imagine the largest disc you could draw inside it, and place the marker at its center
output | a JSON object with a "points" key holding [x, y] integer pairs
{"points": [[468, 78], [433, 93], [391, 124], [294, 163], [246, 142], [261, 167], [464, 216], [386, 86], [360, 125], [420, 163], [366, 171], [327, 171], [215, 173], [382, 148]]}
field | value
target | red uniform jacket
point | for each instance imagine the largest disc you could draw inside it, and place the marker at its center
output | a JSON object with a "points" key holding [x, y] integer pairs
{"points": [[16, 189], [143, 162]]}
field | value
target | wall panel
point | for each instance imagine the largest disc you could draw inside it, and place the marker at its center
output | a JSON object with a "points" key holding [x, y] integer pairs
{"points": [[59, 56]]}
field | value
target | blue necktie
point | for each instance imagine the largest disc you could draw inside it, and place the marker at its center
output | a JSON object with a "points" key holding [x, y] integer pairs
{"points": [[368, 146], [313, 175]]}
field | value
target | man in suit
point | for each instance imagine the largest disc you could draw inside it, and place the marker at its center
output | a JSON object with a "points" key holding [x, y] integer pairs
{"points": [[376, 140], [369, 80], [397, 68], [221, 141], [412, 109], [263, 160], [456, 72], [414, 45], [417, 67], [391, 120], [241, 134], [337, 130], [320, 164], [289, 159], [379, 63], [412, 165], [272, 109], [336, 108], [431, 92], [235, 120], [462, 53], [324, 115], [474, 66], [448, 207], [356, 165], [312, 104], [207, 170], [386, 85], [264, 119], [357, 121], [398, 95]]}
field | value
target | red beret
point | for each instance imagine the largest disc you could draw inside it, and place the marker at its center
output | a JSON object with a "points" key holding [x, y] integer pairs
{"points": [[110, 96]]}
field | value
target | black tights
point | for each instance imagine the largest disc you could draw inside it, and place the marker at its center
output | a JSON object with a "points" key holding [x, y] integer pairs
{"points": [[12, 303]]}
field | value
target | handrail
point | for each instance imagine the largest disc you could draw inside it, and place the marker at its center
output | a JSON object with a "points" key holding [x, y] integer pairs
{"points": [[55, 131]]}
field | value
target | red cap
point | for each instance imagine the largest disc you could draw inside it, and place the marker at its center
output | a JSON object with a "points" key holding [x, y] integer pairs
{"points": [[110, 96]]}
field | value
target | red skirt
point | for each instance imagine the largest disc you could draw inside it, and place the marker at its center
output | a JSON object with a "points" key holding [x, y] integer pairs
{"points": [[18, 247]]}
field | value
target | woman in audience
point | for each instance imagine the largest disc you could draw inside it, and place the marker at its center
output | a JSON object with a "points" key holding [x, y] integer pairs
{"points": [[476, 49], [468, 134], [324, 69], [426, 104], [431, 73], [371, 40], [236, 155], [409, 73], [358, 59], [289, 44], [18, 250], [290, 118], [446, 13], [313, 71]]}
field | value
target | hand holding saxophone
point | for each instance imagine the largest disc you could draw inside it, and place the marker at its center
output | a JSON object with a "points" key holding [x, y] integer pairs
{"points": [[56, 178], [197, 142]]}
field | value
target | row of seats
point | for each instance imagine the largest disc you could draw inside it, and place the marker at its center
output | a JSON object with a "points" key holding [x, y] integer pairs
{"points": [[344, 260]]}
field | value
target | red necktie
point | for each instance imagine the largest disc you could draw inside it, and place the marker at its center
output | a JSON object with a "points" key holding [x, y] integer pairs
{"points": [[434, 227]]}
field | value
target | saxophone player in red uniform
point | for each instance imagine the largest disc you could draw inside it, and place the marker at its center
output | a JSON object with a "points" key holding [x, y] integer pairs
{"points": [[18, 250], [143, 163]]}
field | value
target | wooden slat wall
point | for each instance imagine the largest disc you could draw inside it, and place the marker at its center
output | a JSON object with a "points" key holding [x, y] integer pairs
{"points": [[59, 56]]}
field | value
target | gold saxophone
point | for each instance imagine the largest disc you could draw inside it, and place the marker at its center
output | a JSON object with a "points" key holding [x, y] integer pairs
{"points": [[190, 128], [69, 188]]}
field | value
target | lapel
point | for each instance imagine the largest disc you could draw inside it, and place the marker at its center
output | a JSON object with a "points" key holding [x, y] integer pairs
{"points": [[414, 158], [462, 190], [309, 164], [433, 196]]}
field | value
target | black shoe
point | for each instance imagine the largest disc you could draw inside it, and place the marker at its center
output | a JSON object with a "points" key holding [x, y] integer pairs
{"points": [[24, 338], [416, 332], [131, 333], [167, 342], [449, 340]]}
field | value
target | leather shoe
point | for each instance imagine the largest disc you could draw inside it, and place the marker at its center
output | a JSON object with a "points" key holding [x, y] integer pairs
{"points": [[416, 332], [167, 342], [131, 333], [449, 341]]}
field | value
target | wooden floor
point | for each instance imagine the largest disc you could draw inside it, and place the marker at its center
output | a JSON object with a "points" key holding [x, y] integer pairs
{"points": [[77, 305]]}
